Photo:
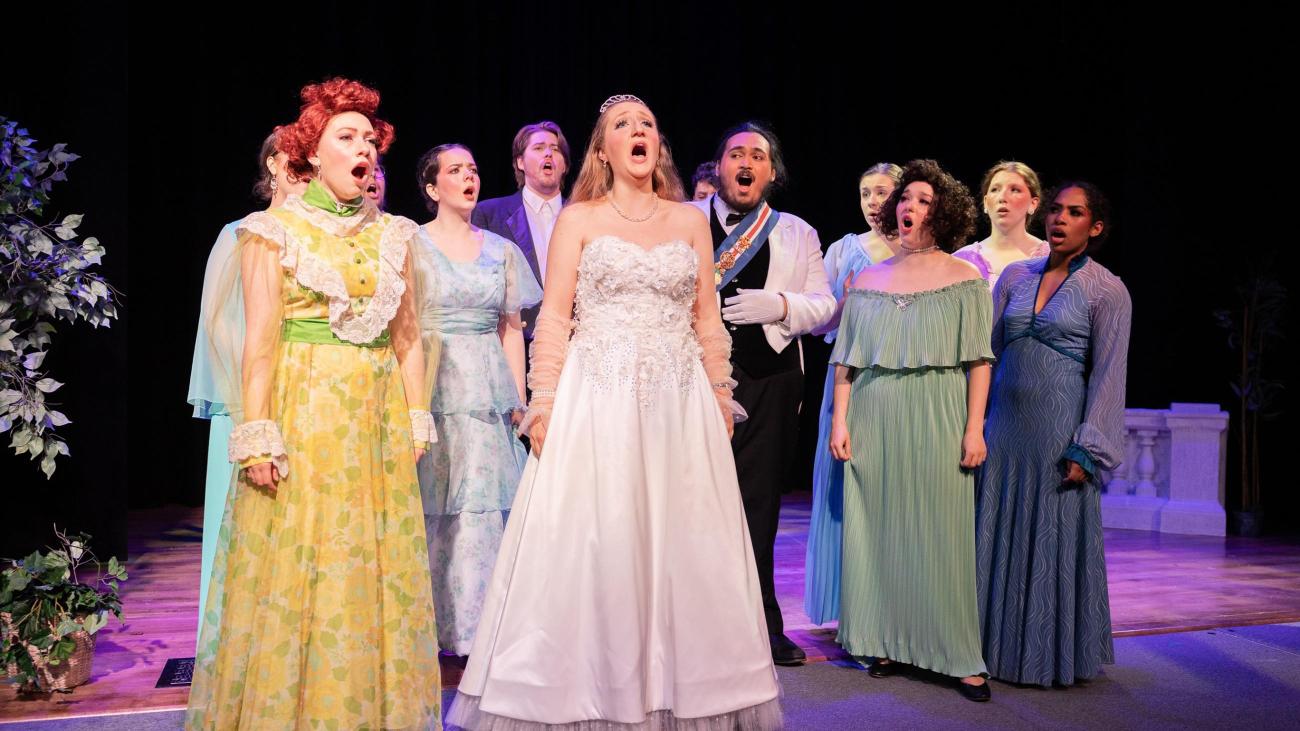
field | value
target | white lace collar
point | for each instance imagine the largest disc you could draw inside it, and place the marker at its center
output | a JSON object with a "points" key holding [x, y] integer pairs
{"points": [[330, 223], [317, 274]]}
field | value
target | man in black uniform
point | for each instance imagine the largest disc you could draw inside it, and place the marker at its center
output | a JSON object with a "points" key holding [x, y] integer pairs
{"points": [[769, 275]]}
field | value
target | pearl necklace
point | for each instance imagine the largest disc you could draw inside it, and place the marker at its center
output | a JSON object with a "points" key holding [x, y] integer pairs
{"points": [[921, 250], [654, 207]]}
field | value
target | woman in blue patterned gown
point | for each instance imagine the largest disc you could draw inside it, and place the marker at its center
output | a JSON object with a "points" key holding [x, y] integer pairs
{"points": [[469, 478], [844, 259], [1056, 420]]}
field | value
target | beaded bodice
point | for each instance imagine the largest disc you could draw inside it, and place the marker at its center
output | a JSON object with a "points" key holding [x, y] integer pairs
{"points": [[634, 311]]}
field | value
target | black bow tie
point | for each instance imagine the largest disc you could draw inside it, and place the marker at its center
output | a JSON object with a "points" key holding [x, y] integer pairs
{"points": [[734, 218]]}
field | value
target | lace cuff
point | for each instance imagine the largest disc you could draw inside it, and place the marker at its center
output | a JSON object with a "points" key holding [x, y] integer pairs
{"points": [[258, 439], [715, 345], [550, 347], [422, 429]]}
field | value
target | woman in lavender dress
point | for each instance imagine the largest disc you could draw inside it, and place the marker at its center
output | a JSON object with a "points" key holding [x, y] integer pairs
{"points": [[1011, 194]]}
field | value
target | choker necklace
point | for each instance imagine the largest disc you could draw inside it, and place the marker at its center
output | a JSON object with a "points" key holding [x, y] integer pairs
{"points": [[921, 250], [654, 207]]}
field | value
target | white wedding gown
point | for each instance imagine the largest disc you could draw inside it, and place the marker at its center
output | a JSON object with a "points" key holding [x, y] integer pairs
{"points": [[625, 593]]}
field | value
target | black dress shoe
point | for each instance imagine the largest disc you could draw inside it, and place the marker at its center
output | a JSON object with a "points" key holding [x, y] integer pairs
{"points": [[880, 669], [979, 693], [785, 651]]}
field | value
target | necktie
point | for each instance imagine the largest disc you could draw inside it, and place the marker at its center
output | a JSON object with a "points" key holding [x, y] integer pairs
{"points": [[548, 220], [734, 218]]}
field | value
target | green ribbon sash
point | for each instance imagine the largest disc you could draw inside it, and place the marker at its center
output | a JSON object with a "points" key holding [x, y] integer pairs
{"points": [[317, 330]]}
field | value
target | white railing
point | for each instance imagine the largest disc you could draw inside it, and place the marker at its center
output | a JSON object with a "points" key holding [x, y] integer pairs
{"points": [[1174, 471]]}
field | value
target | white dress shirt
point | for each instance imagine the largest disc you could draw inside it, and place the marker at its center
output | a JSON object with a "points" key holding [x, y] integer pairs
{"points": [[722, 209], [541, 222]]}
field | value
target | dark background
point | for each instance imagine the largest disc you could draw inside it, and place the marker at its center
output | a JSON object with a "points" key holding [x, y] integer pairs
{"points": [[1150, 111]]}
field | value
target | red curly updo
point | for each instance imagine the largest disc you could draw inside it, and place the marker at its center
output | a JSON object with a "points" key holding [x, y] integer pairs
{"points": [[320, 103]]}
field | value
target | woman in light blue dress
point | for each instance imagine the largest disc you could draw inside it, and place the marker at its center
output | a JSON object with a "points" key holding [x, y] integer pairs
{"points": [[469, 478], [843, 260], [274, 184]]}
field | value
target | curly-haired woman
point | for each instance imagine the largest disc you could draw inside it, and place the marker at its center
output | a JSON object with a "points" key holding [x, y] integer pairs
{"points": [[911, 380]]}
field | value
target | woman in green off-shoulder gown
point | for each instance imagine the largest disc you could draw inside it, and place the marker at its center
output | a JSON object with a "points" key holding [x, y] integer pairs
{"points": [[911, 381]]}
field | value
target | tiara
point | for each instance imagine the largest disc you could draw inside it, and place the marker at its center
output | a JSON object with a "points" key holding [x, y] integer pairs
{"points": [[619, 99]]}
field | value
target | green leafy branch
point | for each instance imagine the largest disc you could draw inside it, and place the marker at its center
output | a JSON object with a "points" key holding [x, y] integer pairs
{"points": [[46, 275]]}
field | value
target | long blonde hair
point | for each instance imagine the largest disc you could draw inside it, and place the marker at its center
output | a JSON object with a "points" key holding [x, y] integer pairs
{"points": [[596, 178]]}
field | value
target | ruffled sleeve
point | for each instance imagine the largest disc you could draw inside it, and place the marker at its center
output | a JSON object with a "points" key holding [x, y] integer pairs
{"points": [[259, 237], [970, 254], [243, 315], [833, 261], [522, 289], [418, 292], [942, 328], [204, 394], [839, 262], [1098, 442]]}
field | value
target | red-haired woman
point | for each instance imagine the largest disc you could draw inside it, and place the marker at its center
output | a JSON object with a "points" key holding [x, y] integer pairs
{"points": [[320, 613]]}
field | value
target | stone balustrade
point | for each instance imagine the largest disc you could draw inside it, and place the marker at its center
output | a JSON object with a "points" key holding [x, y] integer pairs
{"points": [[1172, 479]]}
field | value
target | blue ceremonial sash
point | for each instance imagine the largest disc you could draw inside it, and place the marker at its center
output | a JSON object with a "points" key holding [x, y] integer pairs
{"points": [[754, 229]]}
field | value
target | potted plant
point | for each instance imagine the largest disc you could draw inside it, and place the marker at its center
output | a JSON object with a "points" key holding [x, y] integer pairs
{"points": [[1255, 326], [47, 274], [50, 612]]}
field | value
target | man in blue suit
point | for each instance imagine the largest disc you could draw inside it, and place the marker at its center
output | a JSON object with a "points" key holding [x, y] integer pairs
{"points": [[541, 159]]}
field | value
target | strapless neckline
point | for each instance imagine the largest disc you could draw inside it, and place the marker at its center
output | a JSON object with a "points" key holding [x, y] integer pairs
{"points": [[643, 249]]}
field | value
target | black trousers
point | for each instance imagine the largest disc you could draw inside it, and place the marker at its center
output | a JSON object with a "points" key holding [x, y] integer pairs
{"points": [[763, 446]]}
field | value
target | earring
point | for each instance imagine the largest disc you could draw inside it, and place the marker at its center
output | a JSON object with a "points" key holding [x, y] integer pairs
{"points": [[274, 186]]}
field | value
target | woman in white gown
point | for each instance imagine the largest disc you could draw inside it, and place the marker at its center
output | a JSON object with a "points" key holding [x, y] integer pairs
{"points": [[625, 591]]}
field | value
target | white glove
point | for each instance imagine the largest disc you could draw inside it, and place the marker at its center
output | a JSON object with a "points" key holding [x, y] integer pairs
{"points": [[754, 307]]}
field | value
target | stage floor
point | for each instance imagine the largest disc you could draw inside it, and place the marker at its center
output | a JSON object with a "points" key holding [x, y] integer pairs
{"points": [[1159, 583]]}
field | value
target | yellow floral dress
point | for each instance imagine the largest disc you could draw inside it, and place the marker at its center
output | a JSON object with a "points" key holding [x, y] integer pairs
{"points": [[320, 614]]}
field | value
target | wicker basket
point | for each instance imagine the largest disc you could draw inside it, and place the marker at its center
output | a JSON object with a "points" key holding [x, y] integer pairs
{"points": [[62, 677]]}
